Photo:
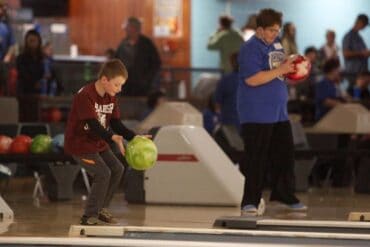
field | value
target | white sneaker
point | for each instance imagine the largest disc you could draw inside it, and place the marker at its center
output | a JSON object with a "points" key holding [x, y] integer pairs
{"points": [[261, 208]]}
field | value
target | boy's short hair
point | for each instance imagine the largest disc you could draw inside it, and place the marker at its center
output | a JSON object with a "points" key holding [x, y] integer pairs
{"points": [[309, 50], [268, 18], [113, 68], [330, 65]]}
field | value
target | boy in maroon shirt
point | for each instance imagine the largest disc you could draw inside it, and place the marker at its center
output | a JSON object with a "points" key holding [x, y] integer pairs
{"points": [[93, 117]]}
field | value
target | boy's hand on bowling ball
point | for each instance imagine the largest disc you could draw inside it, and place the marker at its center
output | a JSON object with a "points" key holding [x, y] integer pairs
{"points": [[287, 66], [119, 141], [302, 67]]}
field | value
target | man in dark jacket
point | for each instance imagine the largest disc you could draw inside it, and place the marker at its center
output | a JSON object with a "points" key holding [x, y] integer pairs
{"points": [[355, 51], [141, 58]]}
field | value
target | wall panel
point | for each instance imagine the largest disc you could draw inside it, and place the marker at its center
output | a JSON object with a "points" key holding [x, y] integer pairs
{"points": [[95, 25]]}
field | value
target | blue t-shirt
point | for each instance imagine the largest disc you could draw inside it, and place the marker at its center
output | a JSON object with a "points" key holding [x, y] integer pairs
{"points": [[266, 103], [6, 39], [352, 41], [225, 95], [325, 89]]}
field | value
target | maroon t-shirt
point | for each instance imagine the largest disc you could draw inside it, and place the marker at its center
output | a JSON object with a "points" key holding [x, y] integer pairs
{"points": [[88, 104]]}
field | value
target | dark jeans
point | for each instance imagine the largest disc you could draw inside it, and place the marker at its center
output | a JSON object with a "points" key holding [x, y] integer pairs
{"points": [[106, 171], [268, 147]]}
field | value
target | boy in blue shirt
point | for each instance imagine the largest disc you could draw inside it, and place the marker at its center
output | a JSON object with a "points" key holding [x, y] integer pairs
{"points": [[262, 107]]}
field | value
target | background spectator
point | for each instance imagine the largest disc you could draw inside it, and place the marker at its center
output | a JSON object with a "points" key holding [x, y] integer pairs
{"points": [[330, 49], [288, 39], [154, 100], [249, 28], [7, 45], [30, 64], [328, 93], [227, 41], [355, 51], [225, 95], [141, 58], [360, 91]]}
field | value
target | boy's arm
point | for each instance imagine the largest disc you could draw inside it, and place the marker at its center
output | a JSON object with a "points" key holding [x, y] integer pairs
{"points": [[263, 77], [107, 135], [119, 128], [99, 130]]}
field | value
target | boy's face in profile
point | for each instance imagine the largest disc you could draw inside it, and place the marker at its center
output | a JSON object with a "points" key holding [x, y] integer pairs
{"points": [[114, 85], [269, 34]]}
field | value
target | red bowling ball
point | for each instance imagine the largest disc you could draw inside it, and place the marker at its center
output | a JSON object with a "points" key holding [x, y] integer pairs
{"points": [[5, 142], [55, 115], [20, 145], [302, 68]]}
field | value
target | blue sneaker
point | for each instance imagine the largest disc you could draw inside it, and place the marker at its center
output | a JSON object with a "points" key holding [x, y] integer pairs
{"points": [[292, 207], [297, 207]]}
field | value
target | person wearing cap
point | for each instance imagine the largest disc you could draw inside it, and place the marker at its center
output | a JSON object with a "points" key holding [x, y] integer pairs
{"points": [[227, 41], [141, 58], [355, 52]]}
